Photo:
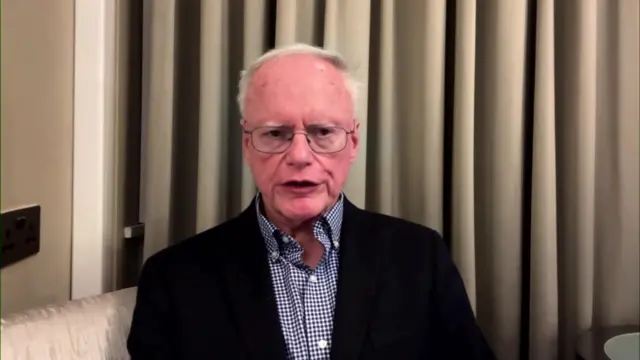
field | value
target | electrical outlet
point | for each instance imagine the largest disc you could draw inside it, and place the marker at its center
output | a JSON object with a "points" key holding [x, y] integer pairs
{"points": [[20, 234]]}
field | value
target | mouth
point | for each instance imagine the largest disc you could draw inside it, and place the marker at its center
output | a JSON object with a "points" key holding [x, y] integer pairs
{"points": [[300, 184]]}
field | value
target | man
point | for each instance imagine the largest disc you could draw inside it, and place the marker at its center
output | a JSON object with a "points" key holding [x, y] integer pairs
{"points": [[302, 273]]}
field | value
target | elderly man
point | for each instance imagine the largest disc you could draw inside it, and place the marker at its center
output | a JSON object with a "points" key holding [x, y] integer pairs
{"points": [[303, 273]]}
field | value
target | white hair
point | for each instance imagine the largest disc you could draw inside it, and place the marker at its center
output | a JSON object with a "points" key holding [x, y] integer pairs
{"points": [[332, 57]]}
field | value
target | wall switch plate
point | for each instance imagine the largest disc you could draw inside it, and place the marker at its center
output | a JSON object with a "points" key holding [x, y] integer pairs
{"points": [[20, 234]]}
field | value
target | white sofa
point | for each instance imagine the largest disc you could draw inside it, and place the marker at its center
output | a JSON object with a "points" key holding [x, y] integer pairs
{"points": [[86, 329]]}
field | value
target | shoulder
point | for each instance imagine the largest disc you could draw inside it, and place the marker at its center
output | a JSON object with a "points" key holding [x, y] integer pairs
{"points": [[393, 233], [203, 249], [400, 225], [412, 256], [404, 241], [402, 229]]}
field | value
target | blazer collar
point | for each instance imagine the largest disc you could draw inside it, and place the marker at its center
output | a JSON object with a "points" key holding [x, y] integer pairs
{"points": [[357, 278], [249, 288], [252, 298]]}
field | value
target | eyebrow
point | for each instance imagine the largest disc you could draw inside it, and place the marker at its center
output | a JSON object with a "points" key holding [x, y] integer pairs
{"points": [[313, 124], [273, 124]]}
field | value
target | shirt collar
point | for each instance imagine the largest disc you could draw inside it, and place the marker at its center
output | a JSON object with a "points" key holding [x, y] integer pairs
{"points": [[326, 229]]}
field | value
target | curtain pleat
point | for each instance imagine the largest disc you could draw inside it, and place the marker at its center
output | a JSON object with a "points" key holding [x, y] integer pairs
{"points": [[463, 209], [298, 21], [509, 126], [157, 127], [383, 174], [430, 136], [543, 296], [623, 258], [498, 171], [214, 115], [576, 110], [253, 43], [347, 30]]}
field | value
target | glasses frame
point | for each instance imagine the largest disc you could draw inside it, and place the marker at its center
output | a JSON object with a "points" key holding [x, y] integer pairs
{"points": [[306, 135]]}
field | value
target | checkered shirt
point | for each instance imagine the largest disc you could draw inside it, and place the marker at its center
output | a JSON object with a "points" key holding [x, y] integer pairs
{"points": [[305, 297]]}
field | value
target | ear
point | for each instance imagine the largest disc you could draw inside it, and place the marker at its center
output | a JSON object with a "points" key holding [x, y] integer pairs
{"points": [[246, 147], [246, 143], [355, 141]]}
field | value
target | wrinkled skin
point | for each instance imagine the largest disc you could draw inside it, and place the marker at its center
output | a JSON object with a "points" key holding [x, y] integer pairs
{"points": [[298, 90]]}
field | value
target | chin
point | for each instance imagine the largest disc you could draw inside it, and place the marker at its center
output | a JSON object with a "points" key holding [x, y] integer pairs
{"points": [[302, 209]]}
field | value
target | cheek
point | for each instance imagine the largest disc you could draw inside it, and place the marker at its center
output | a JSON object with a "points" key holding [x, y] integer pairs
{"points": [[338, 170], [264, 170]]}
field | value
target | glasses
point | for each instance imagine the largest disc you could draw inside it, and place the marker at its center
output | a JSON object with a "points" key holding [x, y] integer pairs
{"points": [[278, 139]]}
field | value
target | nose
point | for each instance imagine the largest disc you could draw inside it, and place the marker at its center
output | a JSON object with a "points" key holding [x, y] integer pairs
{"points": [[299, 153]]}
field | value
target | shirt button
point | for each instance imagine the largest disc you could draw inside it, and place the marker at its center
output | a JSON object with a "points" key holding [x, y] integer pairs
{"points": [[336, 244], [322, 344], [274, 255], [313, 279]]}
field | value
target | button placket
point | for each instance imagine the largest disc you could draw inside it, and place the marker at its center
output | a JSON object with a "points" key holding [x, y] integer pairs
{"points": [[274, 255]]}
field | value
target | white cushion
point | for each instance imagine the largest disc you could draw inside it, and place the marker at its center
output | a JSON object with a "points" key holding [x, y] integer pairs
{"points": [[90, 328]]}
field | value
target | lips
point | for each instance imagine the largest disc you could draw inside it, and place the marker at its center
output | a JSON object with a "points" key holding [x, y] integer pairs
{"points": [[300, 184]]}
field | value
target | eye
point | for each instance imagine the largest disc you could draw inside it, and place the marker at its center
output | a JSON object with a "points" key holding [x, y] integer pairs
{"points": [[323, 131], [274, 133]]}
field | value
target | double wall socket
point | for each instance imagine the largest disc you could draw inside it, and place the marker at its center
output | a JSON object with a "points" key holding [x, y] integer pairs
{"points": [[20, 234]]}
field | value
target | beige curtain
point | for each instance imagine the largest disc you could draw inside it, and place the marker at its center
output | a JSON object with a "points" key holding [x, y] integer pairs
{"points": [[510, 126]]}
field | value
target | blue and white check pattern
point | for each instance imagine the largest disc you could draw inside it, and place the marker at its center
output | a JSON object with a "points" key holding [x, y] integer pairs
{"points": [[305, 297]]}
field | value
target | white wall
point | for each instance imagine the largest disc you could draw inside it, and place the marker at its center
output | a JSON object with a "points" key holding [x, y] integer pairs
{"points": [[94, 143], [37, 120]]}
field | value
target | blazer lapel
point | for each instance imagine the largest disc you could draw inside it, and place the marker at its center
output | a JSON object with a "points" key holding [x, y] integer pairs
{"points": [[359, 267], [250, 291]]}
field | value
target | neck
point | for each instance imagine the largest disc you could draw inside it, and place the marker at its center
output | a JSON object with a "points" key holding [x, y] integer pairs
{"points": [[297, 229], [302, 233], [301, 229]]}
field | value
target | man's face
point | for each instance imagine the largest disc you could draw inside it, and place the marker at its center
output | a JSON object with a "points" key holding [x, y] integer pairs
{"points": [[300, 93]]}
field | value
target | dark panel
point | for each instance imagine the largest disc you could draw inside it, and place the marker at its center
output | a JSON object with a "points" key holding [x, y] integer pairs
{"points": [[20, 234]]}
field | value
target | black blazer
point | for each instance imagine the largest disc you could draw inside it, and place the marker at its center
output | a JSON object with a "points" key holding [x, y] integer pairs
{"points": [[399, 296]]}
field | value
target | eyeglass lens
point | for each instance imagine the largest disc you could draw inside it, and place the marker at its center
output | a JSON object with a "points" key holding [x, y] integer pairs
{"points": [[321, 139]]}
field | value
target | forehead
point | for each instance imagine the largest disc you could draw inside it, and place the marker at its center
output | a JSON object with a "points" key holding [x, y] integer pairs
{"points": [[298, 88]]}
